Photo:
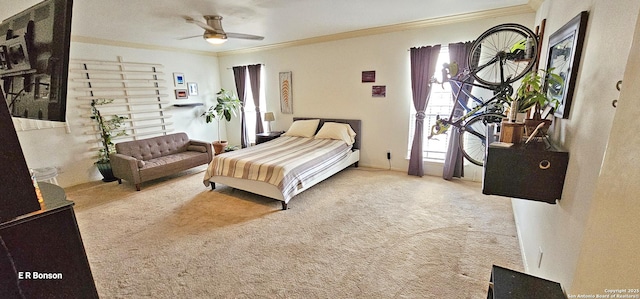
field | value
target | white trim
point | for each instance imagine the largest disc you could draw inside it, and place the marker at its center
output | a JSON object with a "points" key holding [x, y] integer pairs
{"points": [[106, 42], [520, 242], [486, 14], [465, 17]]}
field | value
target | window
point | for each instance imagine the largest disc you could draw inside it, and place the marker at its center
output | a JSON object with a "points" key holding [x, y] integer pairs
{"points": [[440, 103], [250, 108]]}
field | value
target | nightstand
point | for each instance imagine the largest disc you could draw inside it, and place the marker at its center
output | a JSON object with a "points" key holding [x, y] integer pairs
{"points": [[264, 137]]}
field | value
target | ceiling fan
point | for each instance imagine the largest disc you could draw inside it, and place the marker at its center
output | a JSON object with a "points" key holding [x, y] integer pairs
{"points": [[213, 32]]}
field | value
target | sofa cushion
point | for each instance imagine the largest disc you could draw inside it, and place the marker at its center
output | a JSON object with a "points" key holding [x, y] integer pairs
{"points": [[162, 166], [155, 147]]}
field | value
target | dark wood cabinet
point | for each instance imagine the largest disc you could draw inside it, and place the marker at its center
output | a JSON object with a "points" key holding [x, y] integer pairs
{"points": [[510, 284], [46, 250], [525, 171], [264, 137]]}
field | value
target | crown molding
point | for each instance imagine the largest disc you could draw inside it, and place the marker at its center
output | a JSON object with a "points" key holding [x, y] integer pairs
{"points": [[107, 42], [535, 4], [486, 14]]}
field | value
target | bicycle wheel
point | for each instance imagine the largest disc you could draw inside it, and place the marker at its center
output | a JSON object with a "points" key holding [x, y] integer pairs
{"points": [[503, 54], [473, 136]]}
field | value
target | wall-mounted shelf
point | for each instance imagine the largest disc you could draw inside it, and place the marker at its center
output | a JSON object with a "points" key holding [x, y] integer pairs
{"points": [[527, 172], [188, 105]]}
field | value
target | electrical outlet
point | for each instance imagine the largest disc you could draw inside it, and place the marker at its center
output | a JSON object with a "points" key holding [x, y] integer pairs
{"points": [[388, 155]]}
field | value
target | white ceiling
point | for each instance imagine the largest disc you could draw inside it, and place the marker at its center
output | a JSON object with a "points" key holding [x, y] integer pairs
{"points": [[161, 22]]}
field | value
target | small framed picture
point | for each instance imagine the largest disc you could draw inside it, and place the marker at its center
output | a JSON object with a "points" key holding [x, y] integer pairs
{"points": [[181, 94], [178, 79], [368, 76], [193, 88], [379, 91]]}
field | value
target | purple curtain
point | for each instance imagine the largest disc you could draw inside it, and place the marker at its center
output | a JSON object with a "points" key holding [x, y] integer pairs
{"points": [[240, 75], [423, 66], [254, 79], [453, 166]]}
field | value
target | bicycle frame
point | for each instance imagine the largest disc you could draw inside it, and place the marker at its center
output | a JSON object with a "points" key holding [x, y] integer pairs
{"points": [[500, 94]]}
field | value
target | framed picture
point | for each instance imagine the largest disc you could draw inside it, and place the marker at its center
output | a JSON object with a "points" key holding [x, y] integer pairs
{"points": [[181, 94], [286, 96], [178, 80], [379, 91], [368, 76], [193, 88], [565, 49]]}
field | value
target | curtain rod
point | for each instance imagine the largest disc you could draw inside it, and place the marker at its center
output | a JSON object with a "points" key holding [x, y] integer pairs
{"points": [[230, 68], [441, 46]]}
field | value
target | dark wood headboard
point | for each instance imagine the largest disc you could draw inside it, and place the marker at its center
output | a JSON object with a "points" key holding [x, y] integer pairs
{"points": [[354, 123]]}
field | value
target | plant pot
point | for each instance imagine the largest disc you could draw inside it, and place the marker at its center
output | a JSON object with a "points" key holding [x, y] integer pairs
{"points": [[106, 171], [218, 146], [531, 124]]}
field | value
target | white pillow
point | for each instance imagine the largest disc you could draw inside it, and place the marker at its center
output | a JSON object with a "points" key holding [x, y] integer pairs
{"points": [[303, 128], [337, 131]]}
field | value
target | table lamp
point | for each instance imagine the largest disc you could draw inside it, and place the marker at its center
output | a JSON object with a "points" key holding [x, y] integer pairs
{"points": [[269, 117]]}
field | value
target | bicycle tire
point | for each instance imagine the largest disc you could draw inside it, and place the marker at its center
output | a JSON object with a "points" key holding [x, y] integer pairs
{"points": [[496, 43], [472, 137]]}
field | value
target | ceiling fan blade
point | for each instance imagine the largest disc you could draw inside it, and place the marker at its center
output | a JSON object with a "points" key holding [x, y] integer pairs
{"points": [[201, 24], [244, 36], [188, 37]]}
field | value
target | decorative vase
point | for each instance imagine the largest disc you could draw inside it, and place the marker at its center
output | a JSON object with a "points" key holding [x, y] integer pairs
{"points": [[218, 146], [106, 171]]}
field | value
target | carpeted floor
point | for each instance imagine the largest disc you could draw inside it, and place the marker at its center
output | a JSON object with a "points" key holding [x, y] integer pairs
{"points": [[363, 233]]}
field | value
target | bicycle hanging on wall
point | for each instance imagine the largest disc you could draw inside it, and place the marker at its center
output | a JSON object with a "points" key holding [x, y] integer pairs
{"points": [[497, 58]]}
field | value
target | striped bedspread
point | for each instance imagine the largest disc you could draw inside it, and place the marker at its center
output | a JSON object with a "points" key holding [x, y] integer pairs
{"points": [[286, 162]]}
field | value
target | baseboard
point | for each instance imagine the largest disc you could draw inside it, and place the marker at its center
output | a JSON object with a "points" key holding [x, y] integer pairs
{"points": [[520, 242]]}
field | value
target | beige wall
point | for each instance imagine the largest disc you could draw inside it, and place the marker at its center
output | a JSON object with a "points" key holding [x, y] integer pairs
{"points": [[559, 230], [74, 154], [69, 149], [610, 255], [327, 83]]}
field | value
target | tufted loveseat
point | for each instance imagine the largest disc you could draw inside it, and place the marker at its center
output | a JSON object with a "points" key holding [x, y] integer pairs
{"points": [[147, 159]]}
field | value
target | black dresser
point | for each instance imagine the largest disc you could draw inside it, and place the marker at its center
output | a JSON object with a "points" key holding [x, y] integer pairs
{"points": [[46, 250]]}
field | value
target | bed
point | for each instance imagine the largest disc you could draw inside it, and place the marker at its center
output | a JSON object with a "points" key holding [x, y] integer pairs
{"points": [[288, 165]]}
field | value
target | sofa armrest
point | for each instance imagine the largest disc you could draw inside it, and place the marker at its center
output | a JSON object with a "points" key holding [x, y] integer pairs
{"points": [[125, 167], [207, 145]]}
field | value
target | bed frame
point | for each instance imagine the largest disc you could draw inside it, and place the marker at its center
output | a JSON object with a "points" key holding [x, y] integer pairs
{"points": [[271, 191]]}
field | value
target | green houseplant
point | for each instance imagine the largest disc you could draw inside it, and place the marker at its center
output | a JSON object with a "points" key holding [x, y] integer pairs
{"points": [[532, 97], [108, 128], [531, 94], [227, 104]]}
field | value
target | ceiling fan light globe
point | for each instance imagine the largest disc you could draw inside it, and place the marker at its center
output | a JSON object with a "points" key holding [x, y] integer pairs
{"points": [[215, 38]]}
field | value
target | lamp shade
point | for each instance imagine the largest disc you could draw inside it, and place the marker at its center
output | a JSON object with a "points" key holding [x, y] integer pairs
{"points": [[268, 116]]}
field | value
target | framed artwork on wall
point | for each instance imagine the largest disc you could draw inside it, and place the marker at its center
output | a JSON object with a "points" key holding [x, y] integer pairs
{"points": [[193, 88], [368, 76], [379, 91], [178, 80], [181, 94], [286, 96], [565, 49]]}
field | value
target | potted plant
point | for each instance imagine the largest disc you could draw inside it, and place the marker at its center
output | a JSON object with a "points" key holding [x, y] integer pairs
{"points": [[108, 129], [227, 105], [532, 97]]}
